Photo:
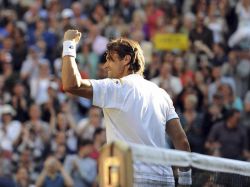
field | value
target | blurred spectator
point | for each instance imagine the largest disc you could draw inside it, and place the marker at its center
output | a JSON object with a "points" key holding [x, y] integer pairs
{"points": [[52, 105], [189, 87], [8, 72], [7, 28], [99, 139], [101, 72], [6, 177], [229, 98], [167, 81], [60, 153], [201, 32], [242, 33], [19, 101], [216, 22], [39, 85], [22, 177], [97, 16], [88, 60], [6, 182], [152, 70], [219, 55], [32, 14], [202, 86], [40, 33], [79, 18], [188, 20], [81, 166], [245, 120], [114, 27], [218, 79], [98, 41], [58, 140], [24, 159], [213, 115], [4, 94], [86, 127], [10, 129], [229, 138], [152, 14], [30, 66], [192, 123], [36, 134], [66, 124], [54, 175], [66, 20]]}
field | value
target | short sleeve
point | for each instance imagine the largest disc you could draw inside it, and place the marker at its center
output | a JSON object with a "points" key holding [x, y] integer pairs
{"points": [[171, 113], [107, 93]]}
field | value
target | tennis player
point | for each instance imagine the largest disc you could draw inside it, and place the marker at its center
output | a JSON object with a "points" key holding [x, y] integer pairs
{"points": [[135, 110]]}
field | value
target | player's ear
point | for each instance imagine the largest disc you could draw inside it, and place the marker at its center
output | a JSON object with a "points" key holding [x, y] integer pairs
{"points": [[127, 59]]}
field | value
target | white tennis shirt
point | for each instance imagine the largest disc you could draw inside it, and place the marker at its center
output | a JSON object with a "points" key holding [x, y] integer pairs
{"points": [[135, 110]]}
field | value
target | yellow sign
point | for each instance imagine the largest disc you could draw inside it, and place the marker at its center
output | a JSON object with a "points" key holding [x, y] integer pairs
{"points": [[171, 41]]}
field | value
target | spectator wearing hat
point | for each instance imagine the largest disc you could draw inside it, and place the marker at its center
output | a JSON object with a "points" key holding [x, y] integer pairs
{"points": [[10, 129]]}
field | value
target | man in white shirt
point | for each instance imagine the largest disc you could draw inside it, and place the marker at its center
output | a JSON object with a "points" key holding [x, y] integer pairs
{"points": [[135, 110]]}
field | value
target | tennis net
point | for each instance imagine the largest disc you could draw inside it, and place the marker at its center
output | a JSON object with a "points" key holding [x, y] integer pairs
{"points": [[121, 163]]}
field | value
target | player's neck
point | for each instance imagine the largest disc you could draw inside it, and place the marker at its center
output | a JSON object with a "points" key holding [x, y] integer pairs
{"points": [[126, 72]]}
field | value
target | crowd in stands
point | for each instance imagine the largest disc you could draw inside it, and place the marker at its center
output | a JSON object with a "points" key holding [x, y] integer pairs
{"points": [[51, 138]]}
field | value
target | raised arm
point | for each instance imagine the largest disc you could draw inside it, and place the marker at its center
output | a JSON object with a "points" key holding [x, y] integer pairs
{"points": [[71, 78]]}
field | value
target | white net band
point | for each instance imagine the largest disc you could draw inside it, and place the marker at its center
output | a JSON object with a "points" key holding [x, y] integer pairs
{"points": [[162, 156]]}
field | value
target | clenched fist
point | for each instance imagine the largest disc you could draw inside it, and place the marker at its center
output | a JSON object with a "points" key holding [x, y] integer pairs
{"points": [[73, 35]]}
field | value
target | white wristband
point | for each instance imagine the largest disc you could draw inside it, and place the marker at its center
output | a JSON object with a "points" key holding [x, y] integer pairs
{"points": [[185, 177], [69, 48]]}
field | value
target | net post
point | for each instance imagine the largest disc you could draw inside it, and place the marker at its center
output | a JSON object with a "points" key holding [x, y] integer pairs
{"points": [[115, 165]]}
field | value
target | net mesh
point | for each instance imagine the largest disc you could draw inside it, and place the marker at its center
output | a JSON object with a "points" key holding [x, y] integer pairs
{"points": [[207, 171]]}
